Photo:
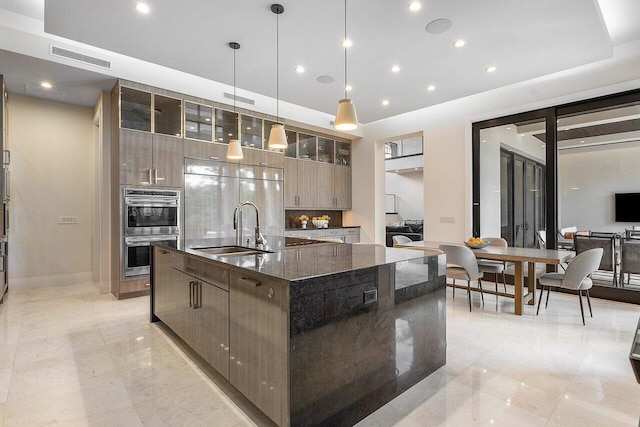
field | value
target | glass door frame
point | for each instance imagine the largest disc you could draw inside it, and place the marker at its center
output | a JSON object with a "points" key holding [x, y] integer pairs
{"points": [[550, 116]]}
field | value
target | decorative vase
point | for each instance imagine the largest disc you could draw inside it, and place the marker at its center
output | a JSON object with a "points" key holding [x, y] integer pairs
{"points": [[304, 224]]}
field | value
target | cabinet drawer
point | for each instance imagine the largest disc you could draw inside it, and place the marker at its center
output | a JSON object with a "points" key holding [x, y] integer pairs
{"points": [[347, 231], [335, 232], [213, 274]]}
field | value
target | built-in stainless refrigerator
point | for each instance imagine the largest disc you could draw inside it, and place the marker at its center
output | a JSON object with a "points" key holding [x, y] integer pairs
{"points": [[4, 188], [212, 189]]}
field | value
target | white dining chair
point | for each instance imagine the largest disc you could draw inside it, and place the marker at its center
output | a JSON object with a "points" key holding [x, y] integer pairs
{"points": [[462, 265], [401, 240], [576, 277], [492, 266]]}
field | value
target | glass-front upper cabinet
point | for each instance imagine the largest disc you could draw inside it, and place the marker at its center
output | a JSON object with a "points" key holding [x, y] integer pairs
{"points": [[307, 146], [135, 109], [292, 144], [251, 131], [197, 121], [168, 115], [226, 126], [343, 153], [325, 150]]}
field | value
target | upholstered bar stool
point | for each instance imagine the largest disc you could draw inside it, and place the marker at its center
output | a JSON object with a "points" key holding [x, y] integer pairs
{"points": [[462, 265], [576, 277]]}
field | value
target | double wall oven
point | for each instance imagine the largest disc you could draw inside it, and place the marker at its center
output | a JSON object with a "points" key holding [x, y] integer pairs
{"points": [[147, 216]]}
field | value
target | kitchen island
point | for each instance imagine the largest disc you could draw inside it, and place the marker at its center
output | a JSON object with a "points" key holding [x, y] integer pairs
{"points": [[312, 334]]}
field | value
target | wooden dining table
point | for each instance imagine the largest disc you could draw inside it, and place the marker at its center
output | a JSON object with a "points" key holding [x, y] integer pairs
{"points": [[518, 256]]}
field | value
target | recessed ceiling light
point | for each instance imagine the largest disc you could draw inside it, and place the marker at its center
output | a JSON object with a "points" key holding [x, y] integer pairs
{"points": [[395, 68], [414, 6], [248, 127], [581, 142], [484, 140], [46, 85], [490, 69], [459, 43], [300, 69], [385, 102], [192, 128], [508, 127], [348, 88], [431, 88], [207, 119], [142, 8], [230, 134], [346, 43]]}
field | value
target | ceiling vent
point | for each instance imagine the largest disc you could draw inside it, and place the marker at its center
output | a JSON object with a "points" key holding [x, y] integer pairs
{"points": [[40, 92], [239, 98], [76, 56]]}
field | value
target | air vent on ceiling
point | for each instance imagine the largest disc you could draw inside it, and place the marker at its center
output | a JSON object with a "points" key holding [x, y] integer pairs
{"points": [[40, 92], [76, 56], [239, 98], [331, 122]]}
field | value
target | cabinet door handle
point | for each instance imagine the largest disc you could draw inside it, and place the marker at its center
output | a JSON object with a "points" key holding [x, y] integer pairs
{"points": [[191, 295], [8, 157], [155, 174], [197, 295], [150, 178], [250, 282]]}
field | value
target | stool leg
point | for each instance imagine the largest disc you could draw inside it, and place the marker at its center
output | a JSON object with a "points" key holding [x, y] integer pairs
{"points": [[581, 309], [481, 293], [589, 302], [469, 292], [454, 288], [540, 301], [547, 303]]}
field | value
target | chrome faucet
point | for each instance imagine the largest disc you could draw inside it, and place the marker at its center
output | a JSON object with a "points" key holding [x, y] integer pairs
{"points": [[237, 224]]}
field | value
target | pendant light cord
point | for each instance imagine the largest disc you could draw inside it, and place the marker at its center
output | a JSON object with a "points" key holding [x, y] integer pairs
{"points": [[345, 48], [277, 68]]}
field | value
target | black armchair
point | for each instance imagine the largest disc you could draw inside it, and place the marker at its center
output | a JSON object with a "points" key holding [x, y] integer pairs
{"points": [[401, 230]]}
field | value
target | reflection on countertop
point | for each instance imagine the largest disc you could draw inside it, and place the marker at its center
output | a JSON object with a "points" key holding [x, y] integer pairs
{"points": [[294, 263]]}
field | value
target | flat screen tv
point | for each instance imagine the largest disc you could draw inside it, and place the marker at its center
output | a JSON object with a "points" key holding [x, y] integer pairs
{"points": [[627, 207]]}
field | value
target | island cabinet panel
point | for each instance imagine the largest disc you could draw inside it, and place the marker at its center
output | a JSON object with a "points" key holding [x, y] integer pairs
{"points": [[212, 327], [191, 297], [259, 342]]}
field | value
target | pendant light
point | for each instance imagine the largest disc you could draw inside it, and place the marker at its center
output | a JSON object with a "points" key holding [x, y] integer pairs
{"points": [[277, 136], [235, 149], [346, 118]]}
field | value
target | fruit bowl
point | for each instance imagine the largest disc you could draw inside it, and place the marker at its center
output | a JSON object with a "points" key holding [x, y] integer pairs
{"points": [[477, 245]]}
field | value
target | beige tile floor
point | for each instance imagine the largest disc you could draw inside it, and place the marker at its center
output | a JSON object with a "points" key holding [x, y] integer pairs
{"points": [[70, 356]]}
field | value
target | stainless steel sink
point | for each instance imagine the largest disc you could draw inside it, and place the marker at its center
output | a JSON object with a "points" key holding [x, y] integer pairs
{"points": [[228, 250]]}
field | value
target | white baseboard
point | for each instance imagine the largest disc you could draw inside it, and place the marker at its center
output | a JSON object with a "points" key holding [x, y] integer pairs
{"points": [[23, 283]]}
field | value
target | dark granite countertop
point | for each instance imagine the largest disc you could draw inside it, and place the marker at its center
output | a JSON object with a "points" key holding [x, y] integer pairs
{"points": [[316, 228], [295, 263]]}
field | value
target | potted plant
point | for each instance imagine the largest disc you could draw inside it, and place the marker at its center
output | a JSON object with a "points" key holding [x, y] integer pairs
{"points": [[303, 220]]}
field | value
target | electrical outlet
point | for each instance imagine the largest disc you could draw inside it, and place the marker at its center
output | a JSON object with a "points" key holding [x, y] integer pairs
{"points": [[67, 220], [447, 220]]}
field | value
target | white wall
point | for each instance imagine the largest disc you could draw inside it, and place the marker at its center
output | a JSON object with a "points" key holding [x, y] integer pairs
{"points": [[588, 179], [447, 139], [408, 189], [52, 174]]}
